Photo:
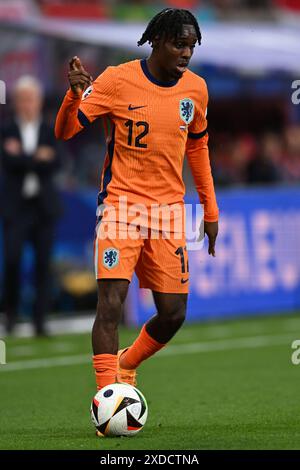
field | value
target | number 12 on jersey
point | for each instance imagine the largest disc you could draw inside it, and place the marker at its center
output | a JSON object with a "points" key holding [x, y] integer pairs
{"points": [[144, 131]]}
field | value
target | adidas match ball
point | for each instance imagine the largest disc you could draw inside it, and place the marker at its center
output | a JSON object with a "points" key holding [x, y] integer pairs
{"points": [[119, 410]]}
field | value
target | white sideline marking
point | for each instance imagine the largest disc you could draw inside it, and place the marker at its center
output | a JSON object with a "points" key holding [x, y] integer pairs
{"points": [[47, 362], [31, 350], [25, 350], [172, 350], [84, 323], [251, 342], [291, 323]]}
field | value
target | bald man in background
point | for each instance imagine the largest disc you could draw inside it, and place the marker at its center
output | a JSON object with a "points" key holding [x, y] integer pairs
{"points": [[29, 201]]}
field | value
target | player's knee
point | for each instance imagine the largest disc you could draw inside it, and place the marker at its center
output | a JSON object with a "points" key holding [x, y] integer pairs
{"points": [[109, 308], [175, 317], [178, 316]]}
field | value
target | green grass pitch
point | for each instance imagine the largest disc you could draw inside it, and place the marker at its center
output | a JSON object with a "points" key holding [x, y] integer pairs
{"points": [[225, 385]]}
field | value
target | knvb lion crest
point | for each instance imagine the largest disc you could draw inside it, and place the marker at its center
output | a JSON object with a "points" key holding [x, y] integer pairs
{"points": [[186, 108], [110, 257]]}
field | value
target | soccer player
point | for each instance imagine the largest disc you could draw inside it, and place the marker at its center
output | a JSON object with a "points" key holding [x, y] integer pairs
{"points": [[154, 113]]}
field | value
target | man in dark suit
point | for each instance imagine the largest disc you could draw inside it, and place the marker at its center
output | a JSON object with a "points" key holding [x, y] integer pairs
{"points": [[29, 200]]}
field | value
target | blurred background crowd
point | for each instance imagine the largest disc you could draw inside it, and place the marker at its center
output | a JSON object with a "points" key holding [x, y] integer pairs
{"points": [[254, 128], [248, 57]]}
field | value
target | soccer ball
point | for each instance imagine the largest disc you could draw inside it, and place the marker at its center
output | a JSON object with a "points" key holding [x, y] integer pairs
{"points": [[119, 410]]}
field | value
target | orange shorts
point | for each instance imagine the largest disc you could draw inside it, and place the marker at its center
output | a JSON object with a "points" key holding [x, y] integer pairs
{"points": [[161, 264]]}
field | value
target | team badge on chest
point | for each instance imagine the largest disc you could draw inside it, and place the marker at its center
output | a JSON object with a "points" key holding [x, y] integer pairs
{"points": [[186, 110], [110, 257]]}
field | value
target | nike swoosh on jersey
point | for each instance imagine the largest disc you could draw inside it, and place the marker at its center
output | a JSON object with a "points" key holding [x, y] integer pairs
{"points": [[131, 108], [183, 281]]}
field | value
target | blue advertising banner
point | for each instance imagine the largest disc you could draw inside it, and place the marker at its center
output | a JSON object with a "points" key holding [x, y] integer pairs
{"points": [[257, 264]]}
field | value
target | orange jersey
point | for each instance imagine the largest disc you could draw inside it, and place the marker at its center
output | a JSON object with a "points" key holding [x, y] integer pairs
{"points": [[148, 131], [150, 126]]}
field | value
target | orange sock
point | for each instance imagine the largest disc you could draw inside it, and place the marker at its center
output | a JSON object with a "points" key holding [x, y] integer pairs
{"points": [[105, 366], [143, 347]]}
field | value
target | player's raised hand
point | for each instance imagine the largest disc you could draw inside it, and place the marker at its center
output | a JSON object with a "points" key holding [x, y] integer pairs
{"points": [[211, 230], [79, 78]]}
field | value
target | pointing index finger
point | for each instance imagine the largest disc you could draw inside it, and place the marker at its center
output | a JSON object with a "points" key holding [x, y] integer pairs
{"points": [[75, 63]]}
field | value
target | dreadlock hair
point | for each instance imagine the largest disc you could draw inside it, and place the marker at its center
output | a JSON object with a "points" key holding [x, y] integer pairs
{"points": [[168, 24]]}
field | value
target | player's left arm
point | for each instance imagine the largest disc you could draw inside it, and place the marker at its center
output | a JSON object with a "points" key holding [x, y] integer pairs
{"points": [[198, 157]]}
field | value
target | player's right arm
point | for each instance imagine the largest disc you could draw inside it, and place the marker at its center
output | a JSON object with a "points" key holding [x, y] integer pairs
{"points": [[67, 123], [80, 109]]}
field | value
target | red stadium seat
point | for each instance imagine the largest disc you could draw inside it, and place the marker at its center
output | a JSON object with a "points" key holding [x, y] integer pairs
{"points": [[83, 9]]}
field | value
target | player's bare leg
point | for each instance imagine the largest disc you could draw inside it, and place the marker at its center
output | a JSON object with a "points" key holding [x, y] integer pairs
{"points": [[111, 296], [171, 309]]}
